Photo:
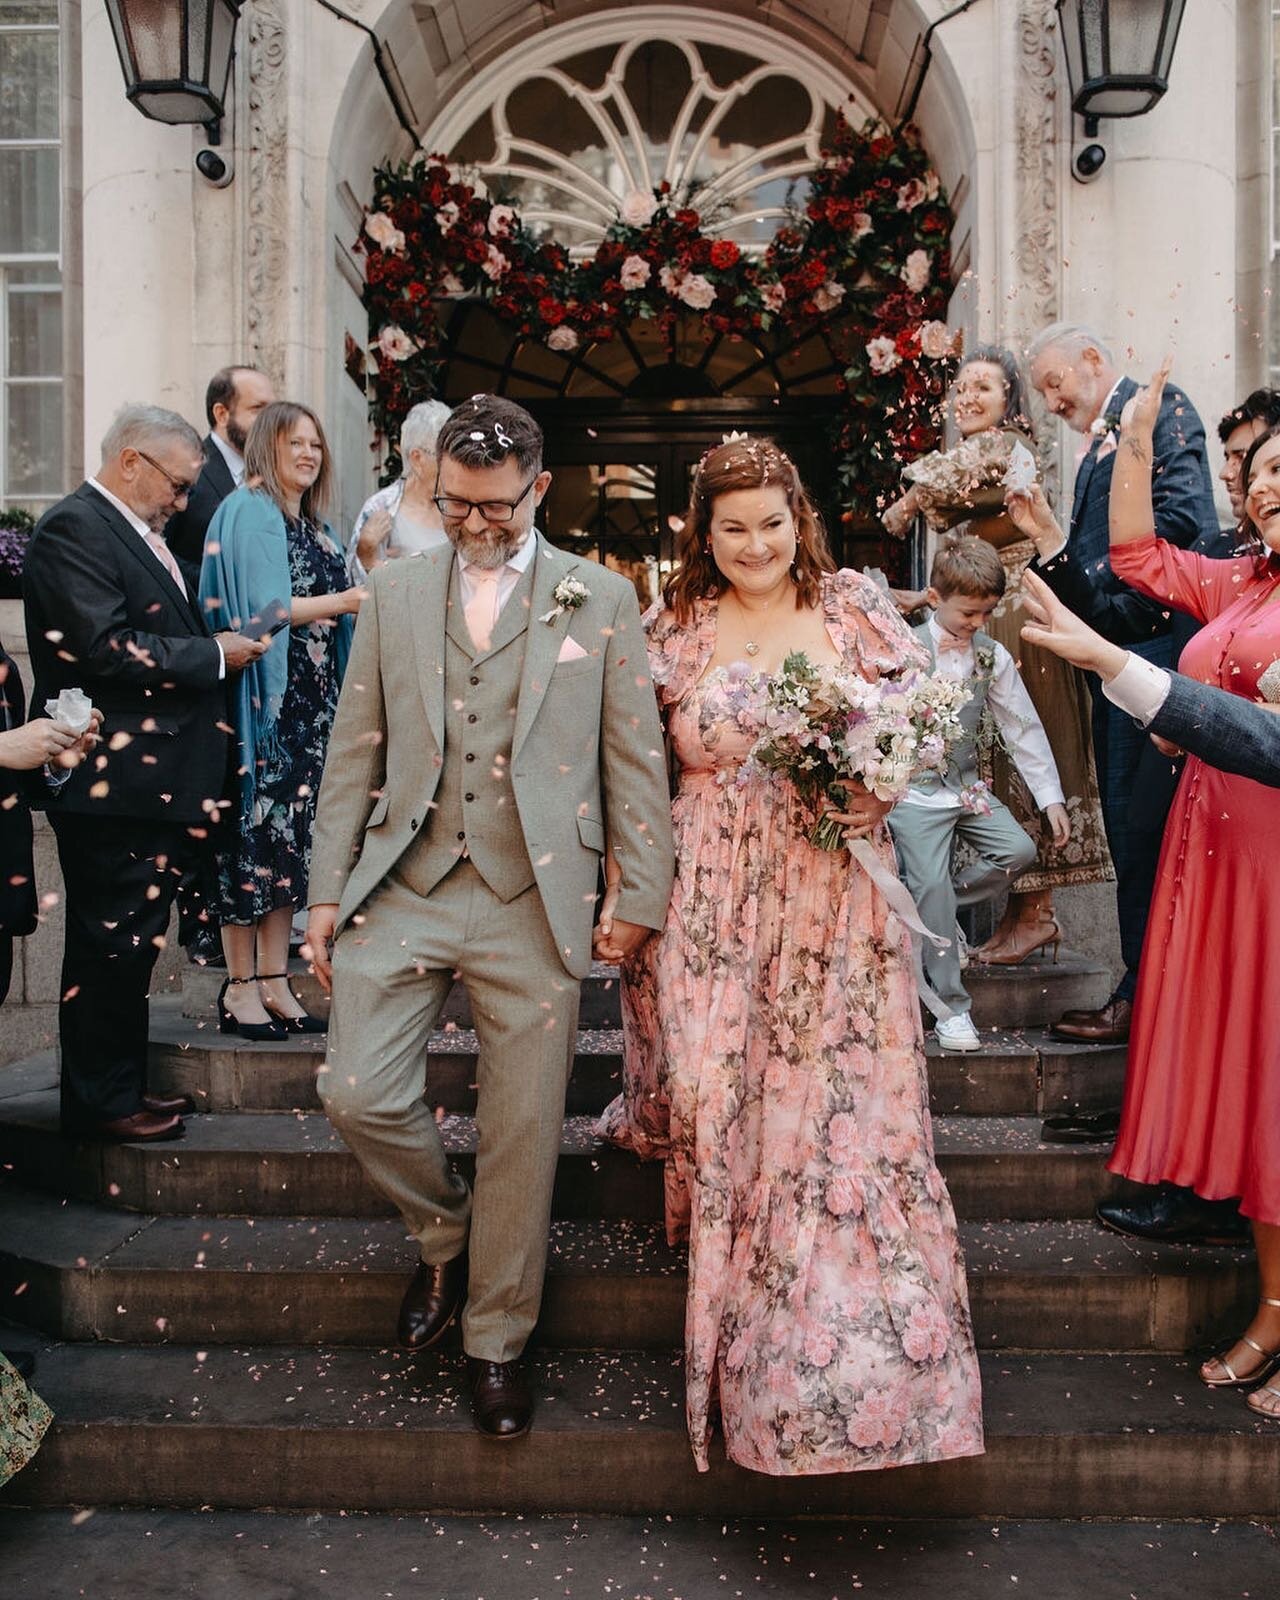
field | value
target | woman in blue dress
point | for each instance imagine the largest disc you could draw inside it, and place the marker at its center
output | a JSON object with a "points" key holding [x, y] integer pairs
{"points": [[269, 554]]}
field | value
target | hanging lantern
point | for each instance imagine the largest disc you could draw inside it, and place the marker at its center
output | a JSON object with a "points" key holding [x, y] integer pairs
{"points": [[1118, 53], [176, 55]]}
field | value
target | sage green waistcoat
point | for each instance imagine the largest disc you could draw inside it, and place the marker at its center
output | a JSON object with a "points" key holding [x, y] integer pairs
{"points": [[475, 808], [962, 768]]}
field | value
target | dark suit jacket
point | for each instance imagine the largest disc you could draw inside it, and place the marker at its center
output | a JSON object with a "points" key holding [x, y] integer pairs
{"points": [[17, 867], [186, 528], [103, 615], [1223, 729], [1182, 496]]}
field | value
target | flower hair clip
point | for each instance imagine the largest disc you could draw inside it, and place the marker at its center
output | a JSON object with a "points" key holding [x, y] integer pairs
{"points": [[568, 594]]}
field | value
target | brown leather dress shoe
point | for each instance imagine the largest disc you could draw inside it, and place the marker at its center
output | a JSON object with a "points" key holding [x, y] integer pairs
{"points": [[432, 1300], [141, 1127], [500, 1400], [1109, 1024], [170, 1105]]}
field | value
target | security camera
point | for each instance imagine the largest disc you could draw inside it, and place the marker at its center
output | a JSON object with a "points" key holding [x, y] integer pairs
{"points": [[215, 168], [1088, 162]]}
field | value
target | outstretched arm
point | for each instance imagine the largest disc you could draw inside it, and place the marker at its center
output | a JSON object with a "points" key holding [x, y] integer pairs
{"points": [[1131, 508]]}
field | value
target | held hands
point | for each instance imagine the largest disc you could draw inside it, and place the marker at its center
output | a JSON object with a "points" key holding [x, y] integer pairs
{"points": [[897, 517], [612, 938], [1138, 419], [1059, 823], [317, 948], [1063, 633]]}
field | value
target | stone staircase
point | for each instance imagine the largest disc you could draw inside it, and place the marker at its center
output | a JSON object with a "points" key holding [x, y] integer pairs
{"points": [[212, 1315]]}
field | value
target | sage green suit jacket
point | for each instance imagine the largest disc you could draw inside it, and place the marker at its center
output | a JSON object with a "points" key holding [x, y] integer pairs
{"points": [[587, 761]]}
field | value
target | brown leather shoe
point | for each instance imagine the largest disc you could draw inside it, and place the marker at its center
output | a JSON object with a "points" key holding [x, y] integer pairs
{"points": [[141, 1127], [500, 1399], [1109, 1024], [170, 1105], [431, 1302]]}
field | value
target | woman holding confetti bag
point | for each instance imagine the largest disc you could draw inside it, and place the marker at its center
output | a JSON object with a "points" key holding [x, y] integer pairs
{"points": [[773, 1041]]}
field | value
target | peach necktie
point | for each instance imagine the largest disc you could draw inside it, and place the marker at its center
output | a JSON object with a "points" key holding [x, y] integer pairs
{"points": [[167, 559], [481, 611]]}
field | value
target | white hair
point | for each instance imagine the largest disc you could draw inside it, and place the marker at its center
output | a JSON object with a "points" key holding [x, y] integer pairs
{"points": [[135, 426], [421, 428], [1071, 337]]}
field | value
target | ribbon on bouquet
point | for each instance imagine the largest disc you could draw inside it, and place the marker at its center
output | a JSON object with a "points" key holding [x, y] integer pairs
{"points": [[907, 912]]}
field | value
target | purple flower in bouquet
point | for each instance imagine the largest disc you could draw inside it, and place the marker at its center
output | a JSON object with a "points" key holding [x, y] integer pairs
{"points": [[15, 533]]}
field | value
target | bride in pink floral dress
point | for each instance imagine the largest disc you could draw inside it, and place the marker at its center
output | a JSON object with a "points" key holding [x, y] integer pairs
{"points": [[773, 1041]]}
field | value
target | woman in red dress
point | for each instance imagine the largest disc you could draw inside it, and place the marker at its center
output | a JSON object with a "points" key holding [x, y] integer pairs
{"points": [[1202, 1096]]}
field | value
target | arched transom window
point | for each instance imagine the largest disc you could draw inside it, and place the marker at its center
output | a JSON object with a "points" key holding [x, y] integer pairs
{"points": [[730, 115]]}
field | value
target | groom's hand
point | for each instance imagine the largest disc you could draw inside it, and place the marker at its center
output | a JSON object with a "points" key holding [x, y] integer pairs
{"points": [[617, 940], [317, 948]]}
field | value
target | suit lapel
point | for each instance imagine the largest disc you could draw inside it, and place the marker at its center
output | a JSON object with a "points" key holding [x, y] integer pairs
{"points": [[216, 469], [135, 545], [543, 644], [426, 593]]}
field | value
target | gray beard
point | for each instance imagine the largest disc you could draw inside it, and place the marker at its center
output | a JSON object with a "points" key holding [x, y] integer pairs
{"points": [[488, 551]]}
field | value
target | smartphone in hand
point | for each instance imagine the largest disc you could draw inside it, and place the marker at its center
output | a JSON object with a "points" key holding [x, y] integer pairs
{"points": [[265, 624]]}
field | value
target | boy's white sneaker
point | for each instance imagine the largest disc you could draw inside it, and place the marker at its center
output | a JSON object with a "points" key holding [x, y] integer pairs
{"points": [[957, 1033]]}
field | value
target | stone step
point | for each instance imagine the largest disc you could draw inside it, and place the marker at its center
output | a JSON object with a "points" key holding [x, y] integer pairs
{"points": [[357, 1430], [278, 1554], [265, 1164], [1030, 996], [1014, 1073], [88, 1272]]}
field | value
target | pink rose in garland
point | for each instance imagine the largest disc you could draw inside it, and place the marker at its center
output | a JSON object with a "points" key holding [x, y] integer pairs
{"points": [[502, 221], [383, 231], [696, 291], [827, 296], [562, 338], [773, 297], [395, 343], [638, 208], [635, 273], [936, 341], [883, 356], [915, 271]]}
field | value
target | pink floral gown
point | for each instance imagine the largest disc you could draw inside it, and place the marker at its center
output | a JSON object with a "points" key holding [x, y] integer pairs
{"points": [[774, 1061]]}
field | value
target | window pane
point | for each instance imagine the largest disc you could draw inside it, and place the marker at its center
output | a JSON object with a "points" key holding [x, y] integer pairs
{"points": [[29, 202], [35, 333], [33, 464], [28, 85], [13, 12]]}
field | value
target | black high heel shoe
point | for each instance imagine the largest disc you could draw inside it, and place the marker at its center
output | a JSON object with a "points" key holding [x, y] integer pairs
{"points": [[306, 1023], [263, 1032]]}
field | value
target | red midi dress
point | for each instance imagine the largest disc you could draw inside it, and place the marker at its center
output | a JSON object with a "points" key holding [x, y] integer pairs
{"points": [[1202, 1095]]}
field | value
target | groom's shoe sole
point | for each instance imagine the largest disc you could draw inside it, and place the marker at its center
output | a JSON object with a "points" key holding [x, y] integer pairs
{"points": [[431, 1303]]}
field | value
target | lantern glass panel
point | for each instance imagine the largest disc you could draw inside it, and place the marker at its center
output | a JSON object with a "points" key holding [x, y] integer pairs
{"points": [[1135, 37], [155, 37], [223, 36]]}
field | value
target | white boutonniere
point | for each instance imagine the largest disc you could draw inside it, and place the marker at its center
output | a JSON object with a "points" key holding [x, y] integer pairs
{"points": [[568, 594]]}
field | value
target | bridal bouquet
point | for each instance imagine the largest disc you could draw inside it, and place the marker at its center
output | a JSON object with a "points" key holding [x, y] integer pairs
{"points": [[827, 727]]}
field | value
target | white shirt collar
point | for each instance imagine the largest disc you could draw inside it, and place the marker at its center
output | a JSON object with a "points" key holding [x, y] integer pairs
{"points": [[517, 562], [232, 457], [936, 630], [131, 517]]}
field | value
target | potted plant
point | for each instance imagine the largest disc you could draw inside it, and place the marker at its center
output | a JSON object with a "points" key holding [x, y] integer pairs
{"points": [[15, 530]]}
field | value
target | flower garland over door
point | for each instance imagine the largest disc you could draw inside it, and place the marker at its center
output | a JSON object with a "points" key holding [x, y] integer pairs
{"points": [[865, 254]]}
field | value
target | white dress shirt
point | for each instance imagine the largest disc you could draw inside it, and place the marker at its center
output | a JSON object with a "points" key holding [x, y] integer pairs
{"points": [[232, 457], [1140, 688], [508, 577], [144, 533], [1015, 716]]}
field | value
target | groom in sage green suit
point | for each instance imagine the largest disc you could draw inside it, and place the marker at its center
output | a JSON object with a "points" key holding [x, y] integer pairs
{"points": [[497, 729]]}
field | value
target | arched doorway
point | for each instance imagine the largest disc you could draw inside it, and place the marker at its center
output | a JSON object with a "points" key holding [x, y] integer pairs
{"points": [[626, 421], [599, 111]]}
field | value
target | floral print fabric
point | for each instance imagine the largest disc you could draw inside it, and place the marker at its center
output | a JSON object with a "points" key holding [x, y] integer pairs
{"points": [[774, 1062], [24, 1417]]}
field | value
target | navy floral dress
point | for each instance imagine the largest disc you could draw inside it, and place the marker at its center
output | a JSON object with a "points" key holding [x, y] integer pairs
{"points": [[269, 868]]}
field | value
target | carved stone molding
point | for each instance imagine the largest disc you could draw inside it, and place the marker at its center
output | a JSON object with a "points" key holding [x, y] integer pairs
{"points": [[1037, 204], [266, 204]]}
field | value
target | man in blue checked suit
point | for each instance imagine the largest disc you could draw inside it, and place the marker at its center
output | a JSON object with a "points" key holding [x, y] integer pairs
{"points": [[1074, 372]]}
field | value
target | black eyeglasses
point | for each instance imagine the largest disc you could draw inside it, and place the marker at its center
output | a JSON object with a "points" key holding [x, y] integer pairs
{"points": [[491, 510], [181, 488]]}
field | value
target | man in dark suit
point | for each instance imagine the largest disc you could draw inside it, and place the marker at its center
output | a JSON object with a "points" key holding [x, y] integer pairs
{"points": [[232, 401], [1072, 369], [109, 611]]}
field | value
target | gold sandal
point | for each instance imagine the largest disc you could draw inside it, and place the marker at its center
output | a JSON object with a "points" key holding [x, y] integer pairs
{"points": [[1265, 1411], [1260, 1374]]}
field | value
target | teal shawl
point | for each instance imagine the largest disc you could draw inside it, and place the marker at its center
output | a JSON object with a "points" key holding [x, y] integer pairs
{"points": [[245, 568]]}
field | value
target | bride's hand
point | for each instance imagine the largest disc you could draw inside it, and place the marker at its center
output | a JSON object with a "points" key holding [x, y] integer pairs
{"points": [[865, 813]]}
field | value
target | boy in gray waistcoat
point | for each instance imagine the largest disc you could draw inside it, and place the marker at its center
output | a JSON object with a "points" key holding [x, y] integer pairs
{"points": [[965, 586]]}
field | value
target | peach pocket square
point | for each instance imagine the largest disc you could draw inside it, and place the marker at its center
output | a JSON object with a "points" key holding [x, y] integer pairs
{"points": [[570, 650]]}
